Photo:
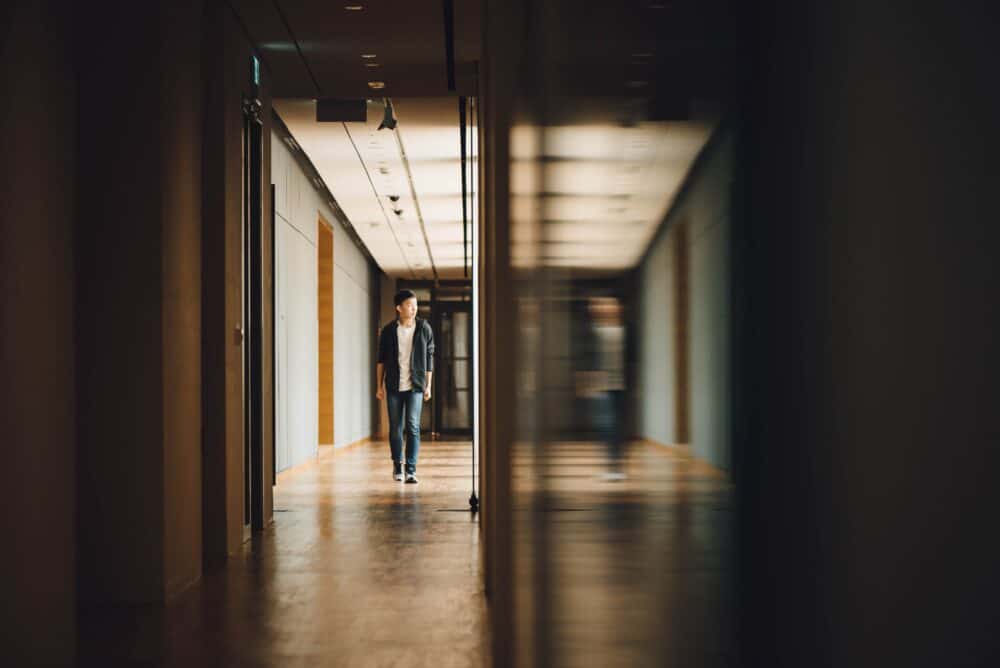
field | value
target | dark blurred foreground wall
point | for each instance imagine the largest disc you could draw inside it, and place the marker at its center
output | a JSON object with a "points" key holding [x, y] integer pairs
{"points": [[866, 423], [37, 210], [120, 195]]}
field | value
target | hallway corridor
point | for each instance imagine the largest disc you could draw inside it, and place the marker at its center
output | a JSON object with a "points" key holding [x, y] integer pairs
{"points": [[711, 286], [356, 570]]}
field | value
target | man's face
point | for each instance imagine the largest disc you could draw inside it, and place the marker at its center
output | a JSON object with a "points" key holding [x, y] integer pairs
{"points": [[408, 309]]}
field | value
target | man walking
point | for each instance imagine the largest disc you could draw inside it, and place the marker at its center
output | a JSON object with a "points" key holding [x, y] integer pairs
{"points": [[403, 374]]}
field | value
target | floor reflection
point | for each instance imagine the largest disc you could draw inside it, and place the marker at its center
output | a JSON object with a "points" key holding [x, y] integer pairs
{"points": [[638, 570], [357, 570]]}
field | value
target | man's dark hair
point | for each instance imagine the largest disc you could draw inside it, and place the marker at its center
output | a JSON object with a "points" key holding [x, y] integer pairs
{"points": [[403, 295]]}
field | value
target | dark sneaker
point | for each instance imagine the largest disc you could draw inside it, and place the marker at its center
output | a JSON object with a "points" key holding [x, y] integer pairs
{"points": [[411, 479], [397, 471]]}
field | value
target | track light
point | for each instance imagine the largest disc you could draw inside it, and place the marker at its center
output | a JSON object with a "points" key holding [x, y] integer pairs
{"points": [[389, 120]]}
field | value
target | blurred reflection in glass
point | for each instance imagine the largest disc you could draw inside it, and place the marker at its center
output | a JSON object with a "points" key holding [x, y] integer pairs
{"points": [[601, 379]]}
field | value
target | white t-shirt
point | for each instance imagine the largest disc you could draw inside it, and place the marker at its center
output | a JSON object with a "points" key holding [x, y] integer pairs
{"points": [[405, 337], [611, 339]]}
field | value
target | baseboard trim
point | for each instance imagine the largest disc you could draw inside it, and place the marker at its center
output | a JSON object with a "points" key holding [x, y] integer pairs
{"points": [[684, 451], [323, 453], [292, 470], [179, 586], [328, 451]]}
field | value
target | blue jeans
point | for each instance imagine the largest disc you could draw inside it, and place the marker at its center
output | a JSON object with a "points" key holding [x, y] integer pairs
{"points": [[405, 405], [609, 415]]}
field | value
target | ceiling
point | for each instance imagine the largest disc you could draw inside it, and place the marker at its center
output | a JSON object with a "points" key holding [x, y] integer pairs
{"points": [[365, 169], [601, 189], [601, 176], [314, 48]]}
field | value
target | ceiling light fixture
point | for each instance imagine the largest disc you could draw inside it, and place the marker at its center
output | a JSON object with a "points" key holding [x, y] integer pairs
{"points": [[376, 85], [368, 56], [372, 65], [354, 8]]}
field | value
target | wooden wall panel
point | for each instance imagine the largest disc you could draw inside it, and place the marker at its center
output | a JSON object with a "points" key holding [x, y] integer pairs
{"points": [[682, 384], [324, 312]]}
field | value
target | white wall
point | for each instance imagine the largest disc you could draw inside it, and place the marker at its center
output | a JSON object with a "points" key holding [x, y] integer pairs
{"points": [[298, 208], [708, 239], [705, 208], [296, 337], [387, 313], [353, 342], [657, 340]]}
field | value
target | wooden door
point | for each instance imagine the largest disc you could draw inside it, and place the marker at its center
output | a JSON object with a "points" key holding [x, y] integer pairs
{"points": [[324, 314]]}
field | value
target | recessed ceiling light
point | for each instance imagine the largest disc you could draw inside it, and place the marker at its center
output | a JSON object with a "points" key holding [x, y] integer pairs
{"points": [[372, 65], [376, 85], [368, 56], [354, 8]]}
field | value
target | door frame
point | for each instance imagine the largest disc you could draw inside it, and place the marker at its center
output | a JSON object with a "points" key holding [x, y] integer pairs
{"points": [[439, 308], [251, 330]]}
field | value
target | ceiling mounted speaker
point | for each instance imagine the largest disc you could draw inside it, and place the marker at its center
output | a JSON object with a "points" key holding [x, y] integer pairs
{"points": [[388, 120], [334, 110]]}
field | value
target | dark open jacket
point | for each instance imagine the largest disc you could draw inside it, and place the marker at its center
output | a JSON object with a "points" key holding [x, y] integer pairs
{"points": [[421, 358]]}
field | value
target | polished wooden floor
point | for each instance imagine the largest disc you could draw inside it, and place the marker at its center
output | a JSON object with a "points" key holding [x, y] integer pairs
{"points": [[357, 570], [360, 570]]}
